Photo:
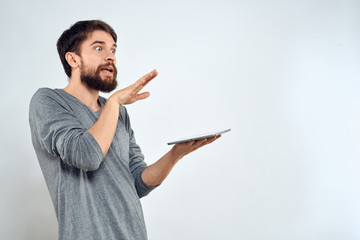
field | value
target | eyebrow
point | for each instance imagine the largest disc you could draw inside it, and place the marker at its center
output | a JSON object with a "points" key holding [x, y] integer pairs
{"points": [[101, 42]]}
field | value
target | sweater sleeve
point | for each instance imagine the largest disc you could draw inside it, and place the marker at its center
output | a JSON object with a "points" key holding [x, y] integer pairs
{"points": [[57, 130], [136, 162]]}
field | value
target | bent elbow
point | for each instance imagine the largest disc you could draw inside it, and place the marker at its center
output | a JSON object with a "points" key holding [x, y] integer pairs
{"points": [[92, 166], [81, 152]]}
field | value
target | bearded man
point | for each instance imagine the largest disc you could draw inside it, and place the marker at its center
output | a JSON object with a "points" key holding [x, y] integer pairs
{"points": [[93, 168]]}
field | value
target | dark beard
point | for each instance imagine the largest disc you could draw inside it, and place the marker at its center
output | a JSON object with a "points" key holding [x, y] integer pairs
{"points": [[93, 80]]}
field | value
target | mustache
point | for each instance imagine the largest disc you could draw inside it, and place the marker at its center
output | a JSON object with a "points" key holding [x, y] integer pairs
{"points": [[107, 64]]}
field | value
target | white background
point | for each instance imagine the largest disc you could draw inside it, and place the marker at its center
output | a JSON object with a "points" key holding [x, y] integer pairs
{"points": [[284, 75]]}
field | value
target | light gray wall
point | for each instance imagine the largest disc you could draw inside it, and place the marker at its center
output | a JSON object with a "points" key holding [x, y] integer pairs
{"points": [[284, 75]]}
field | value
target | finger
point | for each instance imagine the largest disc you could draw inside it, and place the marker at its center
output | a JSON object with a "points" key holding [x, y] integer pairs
{"points": [[199, 143], [187, 144], [210, 140], [214, 138], [207, 141], [148, 77], [139, 84], [143, 95]]}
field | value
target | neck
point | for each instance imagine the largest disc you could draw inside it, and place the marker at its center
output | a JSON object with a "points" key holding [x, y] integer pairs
{"points": [[82, 92]]}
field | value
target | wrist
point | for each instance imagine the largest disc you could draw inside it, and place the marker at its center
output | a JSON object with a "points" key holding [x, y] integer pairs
{"points": [[113, 101], [176, 155]]}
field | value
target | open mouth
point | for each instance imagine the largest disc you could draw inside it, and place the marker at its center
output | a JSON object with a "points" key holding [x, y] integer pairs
{"points": [[107, 69]]}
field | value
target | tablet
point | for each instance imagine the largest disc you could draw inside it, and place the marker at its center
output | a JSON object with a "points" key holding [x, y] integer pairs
{"points": [[200, 136]]}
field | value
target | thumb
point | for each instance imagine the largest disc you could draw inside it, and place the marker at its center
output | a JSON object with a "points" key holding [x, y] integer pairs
{"points": [[143, 95]]}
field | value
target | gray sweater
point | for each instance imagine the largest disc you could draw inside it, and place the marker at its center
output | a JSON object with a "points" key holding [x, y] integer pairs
{"points": [[95, 197]]}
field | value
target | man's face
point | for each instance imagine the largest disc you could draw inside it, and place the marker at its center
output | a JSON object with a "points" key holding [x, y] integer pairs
{"points": [[98, 61]]}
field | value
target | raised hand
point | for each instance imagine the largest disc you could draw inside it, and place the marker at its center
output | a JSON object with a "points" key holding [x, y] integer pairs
{"points": [[131, 93]]}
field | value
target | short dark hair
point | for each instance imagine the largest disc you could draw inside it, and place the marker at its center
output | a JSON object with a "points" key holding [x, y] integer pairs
{"points": [[71, 39]]}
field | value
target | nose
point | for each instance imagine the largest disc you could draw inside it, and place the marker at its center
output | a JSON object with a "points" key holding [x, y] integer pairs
{"points": [[110, 57]]}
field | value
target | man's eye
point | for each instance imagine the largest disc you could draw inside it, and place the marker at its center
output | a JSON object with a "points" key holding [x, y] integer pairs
{"points": [[98, 48], [113, 50]]}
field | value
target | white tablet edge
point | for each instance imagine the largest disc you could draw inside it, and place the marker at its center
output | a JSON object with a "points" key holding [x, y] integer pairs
{"points": [[198, 137]]}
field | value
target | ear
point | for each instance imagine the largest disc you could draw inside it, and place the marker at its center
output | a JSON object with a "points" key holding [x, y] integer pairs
{"points": [[72, 59]]}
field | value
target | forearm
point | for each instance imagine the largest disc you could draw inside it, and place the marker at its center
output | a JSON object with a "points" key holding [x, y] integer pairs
{"points": [[104, 128], [155, 174]]}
